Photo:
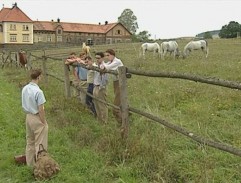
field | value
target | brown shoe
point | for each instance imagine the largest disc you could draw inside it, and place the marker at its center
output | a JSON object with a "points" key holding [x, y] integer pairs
{"points": [[20, 159]]}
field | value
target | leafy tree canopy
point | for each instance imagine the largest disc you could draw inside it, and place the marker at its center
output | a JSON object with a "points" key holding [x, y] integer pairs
{"points": [[207, 35], [143, 35], [231, 30], [129, 20]]}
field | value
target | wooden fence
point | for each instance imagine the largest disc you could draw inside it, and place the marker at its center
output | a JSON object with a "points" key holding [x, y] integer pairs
{"points": [[124, 73]]}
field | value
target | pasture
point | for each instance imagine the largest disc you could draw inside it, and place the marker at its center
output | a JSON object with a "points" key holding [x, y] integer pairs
{"points": [[90, 152]]}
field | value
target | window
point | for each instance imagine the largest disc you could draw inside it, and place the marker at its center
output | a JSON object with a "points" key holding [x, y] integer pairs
{"points": [[68, 39], [59, 38], [108, 41], [59, 31], [25, 37], [118, 40], [118, 32], [13, 37], [39, 38], [89, 42], [49, 39], [1, 28], [12, 27], [97, 41], [25, 27]]}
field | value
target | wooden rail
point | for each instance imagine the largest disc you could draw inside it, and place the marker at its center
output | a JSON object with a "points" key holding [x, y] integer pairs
{"points": [[124, 73]]}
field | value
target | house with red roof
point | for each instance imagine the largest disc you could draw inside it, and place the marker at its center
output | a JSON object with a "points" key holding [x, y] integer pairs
{"points": [[17, 28]]}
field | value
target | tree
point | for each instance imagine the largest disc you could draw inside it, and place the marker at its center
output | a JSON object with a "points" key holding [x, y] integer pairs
{"points": [[129, 20], [231, 30], [207, 35], [143, 36]]}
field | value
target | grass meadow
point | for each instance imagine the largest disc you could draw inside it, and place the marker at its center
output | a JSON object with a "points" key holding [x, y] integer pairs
{"points": [[91, 152]]}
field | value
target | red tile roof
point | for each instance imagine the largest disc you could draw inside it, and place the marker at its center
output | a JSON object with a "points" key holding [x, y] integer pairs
{"points": [[73, 27], [13, 14]]}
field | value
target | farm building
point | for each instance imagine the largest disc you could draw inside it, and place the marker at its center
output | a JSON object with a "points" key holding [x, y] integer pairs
{"points": [[76, 33], [16, 28]]}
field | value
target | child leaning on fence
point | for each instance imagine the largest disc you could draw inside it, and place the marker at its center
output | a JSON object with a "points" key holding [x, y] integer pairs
{"points": [[79, 73], [90, 82]]}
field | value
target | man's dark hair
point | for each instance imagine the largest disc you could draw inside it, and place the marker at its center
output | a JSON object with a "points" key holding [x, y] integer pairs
{"points": [[110, 51], [88, 58], [35, 73], [101, 54]]}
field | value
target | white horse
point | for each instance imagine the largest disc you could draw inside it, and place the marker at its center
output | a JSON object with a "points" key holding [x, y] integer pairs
{"points": [[151, 47], [196, 45], [86, 49], [169, 46]]}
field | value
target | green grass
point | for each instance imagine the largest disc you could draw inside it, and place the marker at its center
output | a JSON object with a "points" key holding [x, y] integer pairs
{"points": [[90, 152]]}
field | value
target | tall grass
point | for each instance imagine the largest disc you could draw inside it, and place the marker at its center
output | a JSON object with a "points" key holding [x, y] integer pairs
{"points": [[90, 152]]}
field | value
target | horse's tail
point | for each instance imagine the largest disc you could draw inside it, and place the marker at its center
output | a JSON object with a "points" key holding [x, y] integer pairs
{"points": [[184, 54], [207, 49], [159, 50], [206, 42]]}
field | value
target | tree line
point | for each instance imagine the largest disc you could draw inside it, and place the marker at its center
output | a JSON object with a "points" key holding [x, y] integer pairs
{"points": [[129, 20]]}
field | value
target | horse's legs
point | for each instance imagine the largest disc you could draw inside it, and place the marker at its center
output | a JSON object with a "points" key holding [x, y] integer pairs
{"points": [[206, 52], [174, 54], [164, 54]]}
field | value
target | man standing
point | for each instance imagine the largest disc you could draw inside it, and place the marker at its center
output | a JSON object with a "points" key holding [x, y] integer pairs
{"points": [[33, 100], [100, 84], [82, 78], [113, 64]]}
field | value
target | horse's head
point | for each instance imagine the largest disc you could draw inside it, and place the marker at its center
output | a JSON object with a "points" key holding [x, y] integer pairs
{"points": [[178, 54], [83, 44], [184, 55]]}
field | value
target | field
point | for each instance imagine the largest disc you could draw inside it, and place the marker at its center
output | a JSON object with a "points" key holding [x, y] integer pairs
{"points": [[90, 152]]}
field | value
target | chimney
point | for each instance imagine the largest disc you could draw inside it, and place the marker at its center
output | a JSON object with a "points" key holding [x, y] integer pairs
{"points": [[106, 22], [15, 5], [58, 20], [99, 23]]}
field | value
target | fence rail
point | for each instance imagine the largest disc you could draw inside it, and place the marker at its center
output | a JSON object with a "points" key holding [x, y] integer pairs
{"points": [[208, 80], [125, 108]]}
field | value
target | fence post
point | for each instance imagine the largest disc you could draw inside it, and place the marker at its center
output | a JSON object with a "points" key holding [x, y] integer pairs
{"points": [[66, 80], [44, 59], [5, 58], [29, 62], [17, 59], [10, 58], [124, 101]]}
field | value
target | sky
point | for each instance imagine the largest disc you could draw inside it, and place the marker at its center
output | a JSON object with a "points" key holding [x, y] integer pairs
{"points": [[163, 19]]}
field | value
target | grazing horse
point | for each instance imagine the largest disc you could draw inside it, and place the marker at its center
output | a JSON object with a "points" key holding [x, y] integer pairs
{"points": [[86, 49], [169, 46], [151, 47], [22, 58], [196, 45]]}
